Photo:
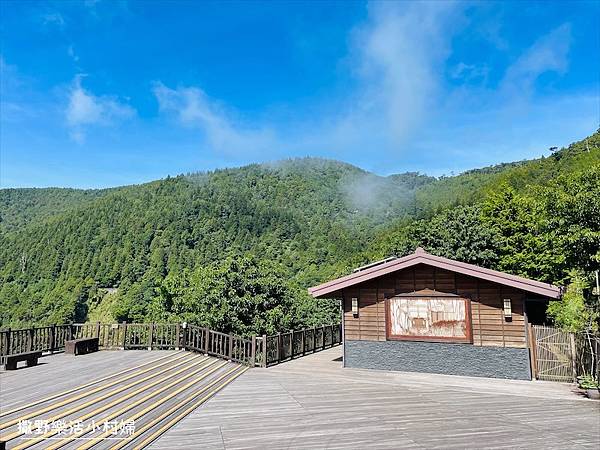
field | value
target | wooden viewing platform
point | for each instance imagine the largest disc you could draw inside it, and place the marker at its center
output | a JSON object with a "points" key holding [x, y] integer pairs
{"points": [[314, 403], [182, 399], [131, 407], [137, 394]]}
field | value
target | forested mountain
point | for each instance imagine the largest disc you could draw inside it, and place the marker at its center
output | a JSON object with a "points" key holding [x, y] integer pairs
{"points": [[18, 207], [235, 249]]}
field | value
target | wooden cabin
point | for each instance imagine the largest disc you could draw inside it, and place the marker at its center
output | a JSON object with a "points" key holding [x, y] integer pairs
{"points": [[425, 313]]}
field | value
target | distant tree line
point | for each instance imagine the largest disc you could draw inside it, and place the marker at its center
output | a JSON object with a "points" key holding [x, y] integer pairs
{"points": [[236, 249]]}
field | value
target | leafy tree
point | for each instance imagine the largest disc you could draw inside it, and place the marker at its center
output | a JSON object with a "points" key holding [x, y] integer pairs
{"points": [[571, 312], [242, 295], [182, 248]]}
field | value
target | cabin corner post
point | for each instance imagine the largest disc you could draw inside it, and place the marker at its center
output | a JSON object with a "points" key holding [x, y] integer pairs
{"points": [[342, 332]]}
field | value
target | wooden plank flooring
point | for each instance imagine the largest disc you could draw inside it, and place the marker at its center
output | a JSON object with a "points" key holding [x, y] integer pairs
{"points": [[149, 388], [312, 403]]}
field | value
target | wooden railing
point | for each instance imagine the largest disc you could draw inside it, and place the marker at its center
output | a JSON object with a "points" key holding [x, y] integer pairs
{"points": [[281, 347], [43, 339], [262, 351], [223, 345], [558, 355]]}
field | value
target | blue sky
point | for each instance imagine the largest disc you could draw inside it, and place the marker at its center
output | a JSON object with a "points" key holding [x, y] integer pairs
{"points": [[104, 93]]}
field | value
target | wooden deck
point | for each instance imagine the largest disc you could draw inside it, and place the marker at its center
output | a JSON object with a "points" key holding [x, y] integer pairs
{"points": [[310, 402], [137, 394], [313, 403]]}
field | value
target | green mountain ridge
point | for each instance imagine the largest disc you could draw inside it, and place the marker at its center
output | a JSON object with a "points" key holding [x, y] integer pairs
{"points": [[306, 220]]}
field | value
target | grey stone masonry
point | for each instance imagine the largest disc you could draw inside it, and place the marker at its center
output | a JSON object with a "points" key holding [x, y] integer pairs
{"points": [[444, 358]]}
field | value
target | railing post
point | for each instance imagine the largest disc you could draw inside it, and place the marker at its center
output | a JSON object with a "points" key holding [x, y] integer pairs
{"points": [[8, 342], [52, 338], [314, 334], [292, 342], [184, 336], [264, 350], [206, 334], [124, 335], [230, 346], [279, 345], [532, 352], [253, 356], [178, 334], [303, 336], [573, 355], [150, 337], [323, 340], [31, 336], [98, 329]]}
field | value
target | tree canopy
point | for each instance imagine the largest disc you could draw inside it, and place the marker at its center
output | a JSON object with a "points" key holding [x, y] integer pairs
{"points": [[236, 249]]}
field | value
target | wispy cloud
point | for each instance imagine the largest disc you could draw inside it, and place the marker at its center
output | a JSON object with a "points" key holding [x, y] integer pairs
{"points": [[86, 109], [548, 54], [71, 52], [54, 19], [193, 108], [470, 72], [399, 51], [395, 58]]}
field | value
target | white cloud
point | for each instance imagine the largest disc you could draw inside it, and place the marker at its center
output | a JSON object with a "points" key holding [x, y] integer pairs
{"points": [[54, 18], [396, 57], [400, 52], [193, 108], [548, 54], [85, 109], [72, 54], [469, 72], [401, 114]]}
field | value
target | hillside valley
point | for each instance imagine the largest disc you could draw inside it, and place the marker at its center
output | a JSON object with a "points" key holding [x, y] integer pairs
{"points": [[236, 248]]}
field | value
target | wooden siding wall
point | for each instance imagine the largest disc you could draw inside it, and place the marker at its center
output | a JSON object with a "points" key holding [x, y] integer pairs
{"points": [[489, 326]]}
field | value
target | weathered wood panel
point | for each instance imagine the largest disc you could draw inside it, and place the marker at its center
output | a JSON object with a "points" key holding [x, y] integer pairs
{"points": [[490, 328]]}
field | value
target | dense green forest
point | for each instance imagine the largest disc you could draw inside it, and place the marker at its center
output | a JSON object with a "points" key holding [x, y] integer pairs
{"points": [[236, 249]]}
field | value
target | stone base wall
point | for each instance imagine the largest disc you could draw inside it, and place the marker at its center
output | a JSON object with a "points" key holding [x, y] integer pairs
{"points": [[443, 358]]}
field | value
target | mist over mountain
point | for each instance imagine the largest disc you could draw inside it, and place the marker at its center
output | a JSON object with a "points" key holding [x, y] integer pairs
{"points": [[138, 252]]}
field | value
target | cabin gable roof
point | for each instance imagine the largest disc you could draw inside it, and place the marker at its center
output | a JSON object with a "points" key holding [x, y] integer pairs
{"points": [[422, 257]]}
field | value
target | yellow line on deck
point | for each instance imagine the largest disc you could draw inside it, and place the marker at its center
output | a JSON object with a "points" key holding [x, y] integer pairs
{"points": [[99, 380], [180, 416], [94, 441], [85, 394], [115, 402], [110, 394]]}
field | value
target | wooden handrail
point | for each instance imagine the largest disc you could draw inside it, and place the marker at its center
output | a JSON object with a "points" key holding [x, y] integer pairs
{"points": [[263, 351]]}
